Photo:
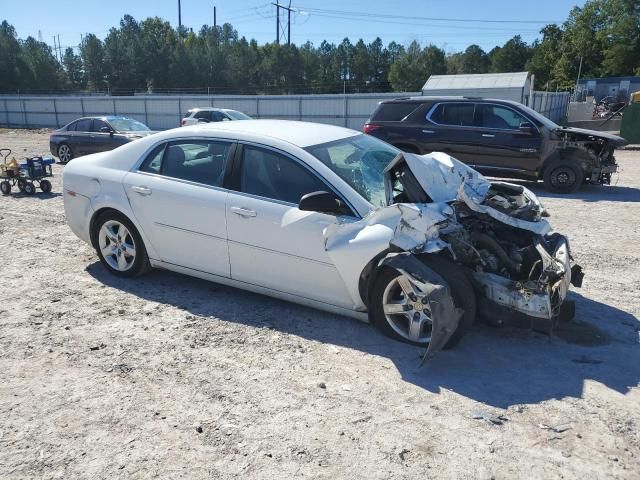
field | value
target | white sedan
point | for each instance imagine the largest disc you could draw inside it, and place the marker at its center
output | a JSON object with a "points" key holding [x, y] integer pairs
{"points": [[327, 217]]}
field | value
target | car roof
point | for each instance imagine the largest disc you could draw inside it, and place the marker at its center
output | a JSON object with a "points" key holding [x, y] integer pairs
{"points": [[104, 117], [210, 109], [301, 134], [433, 98]]}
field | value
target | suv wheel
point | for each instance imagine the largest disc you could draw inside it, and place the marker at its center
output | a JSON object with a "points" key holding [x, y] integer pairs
{"points": [[563, 176]]}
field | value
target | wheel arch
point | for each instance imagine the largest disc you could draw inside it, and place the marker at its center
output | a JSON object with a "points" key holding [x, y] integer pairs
{"points": [[582, 158]]}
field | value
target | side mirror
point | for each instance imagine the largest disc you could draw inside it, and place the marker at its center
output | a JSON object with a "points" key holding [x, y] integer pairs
{"points": [[526, 127], [203, 120], [322, 202], [105, 130]]}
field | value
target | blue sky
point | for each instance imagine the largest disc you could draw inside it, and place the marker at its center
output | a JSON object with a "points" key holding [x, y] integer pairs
{"points": [[494, 20]]}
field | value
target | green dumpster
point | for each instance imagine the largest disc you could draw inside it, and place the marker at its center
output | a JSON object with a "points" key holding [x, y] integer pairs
{"points": [[630, 128]]}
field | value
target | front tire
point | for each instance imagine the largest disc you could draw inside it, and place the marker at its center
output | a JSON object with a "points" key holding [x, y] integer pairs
{"points": [[65, 154], [119, 245], [563, 176], [388, 293]]}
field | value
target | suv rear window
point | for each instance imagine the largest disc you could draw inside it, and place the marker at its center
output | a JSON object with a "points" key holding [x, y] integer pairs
{"points": [[460, 114], [393, 112]]}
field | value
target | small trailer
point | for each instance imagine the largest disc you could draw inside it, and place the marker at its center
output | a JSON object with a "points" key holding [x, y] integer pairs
{"points": [[26, 175]]}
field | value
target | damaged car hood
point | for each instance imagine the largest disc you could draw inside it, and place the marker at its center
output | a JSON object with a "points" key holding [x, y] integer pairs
{"points": [[614, 140], [438, 177]]}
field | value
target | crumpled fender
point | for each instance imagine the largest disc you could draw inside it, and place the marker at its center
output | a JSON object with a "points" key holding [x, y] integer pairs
{"points": [[445, 315]]}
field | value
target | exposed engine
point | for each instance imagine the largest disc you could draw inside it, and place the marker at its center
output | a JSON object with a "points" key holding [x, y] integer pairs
{"points": [[516, 268]]}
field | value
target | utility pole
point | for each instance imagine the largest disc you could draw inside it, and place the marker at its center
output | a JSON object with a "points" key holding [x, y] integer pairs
{"points": [[179, 17], [60, 48], [289, 10], [215, 20]]}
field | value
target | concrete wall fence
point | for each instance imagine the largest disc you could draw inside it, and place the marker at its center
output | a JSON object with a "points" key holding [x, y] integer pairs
{"points": [[162, 112]]}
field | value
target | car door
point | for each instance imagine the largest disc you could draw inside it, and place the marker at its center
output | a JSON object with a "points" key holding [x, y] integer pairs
{"points": [[80, 140], [501, 142], [100, 141], [271, 242], [449, 127], [177, 198]]}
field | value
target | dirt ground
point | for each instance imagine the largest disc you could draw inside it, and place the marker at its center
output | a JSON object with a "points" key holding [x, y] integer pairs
{"points": [[167, 376]]}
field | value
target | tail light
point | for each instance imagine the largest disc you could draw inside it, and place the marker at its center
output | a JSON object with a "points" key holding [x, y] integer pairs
{"points": [[183, 122], [370, 127]]}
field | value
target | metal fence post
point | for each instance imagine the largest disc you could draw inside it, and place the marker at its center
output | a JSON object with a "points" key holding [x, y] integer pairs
{"points": [[55, 109], [179, 110], [300, 108], [82, 105], [257, 107], [24, 113], [346, 110], [114, 106], [6, 112], [146, 115]]}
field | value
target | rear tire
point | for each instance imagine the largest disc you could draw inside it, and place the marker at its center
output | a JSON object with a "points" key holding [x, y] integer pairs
{"points": [[29, 188], [5, 187], [459, 286], [119, 245], [65, 154], [563, 176], [45, 186]]}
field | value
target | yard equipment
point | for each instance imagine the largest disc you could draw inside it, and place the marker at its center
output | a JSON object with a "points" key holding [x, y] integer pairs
{"points": [[25, 175]]}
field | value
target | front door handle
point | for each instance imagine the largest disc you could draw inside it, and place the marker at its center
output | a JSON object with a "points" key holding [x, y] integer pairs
{"points": [[428, 131], [488, 135], [243, 212], [141, 190]]}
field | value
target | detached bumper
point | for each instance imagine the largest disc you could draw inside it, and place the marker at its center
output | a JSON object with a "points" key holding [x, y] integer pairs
{"points": [[540, 298]]}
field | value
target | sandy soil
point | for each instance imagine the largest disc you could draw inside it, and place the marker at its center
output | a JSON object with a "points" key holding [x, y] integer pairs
{"points": [[172, 377]]}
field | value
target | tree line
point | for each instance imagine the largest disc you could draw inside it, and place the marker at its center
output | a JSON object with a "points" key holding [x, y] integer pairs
{"points": [[602, 38]]}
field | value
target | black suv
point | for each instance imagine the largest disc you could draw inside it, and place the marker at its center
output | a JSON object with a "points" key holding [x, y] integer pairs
{"points": [[498, 138]]}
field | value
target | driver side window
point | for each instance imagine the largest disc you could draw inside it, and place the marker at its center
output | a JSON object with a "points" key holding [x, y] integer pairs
{"points": [[494, 116], [268, 174]]}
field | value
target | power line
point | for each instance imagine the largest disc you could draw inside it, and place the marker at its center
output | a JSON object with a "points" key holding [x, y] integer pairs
{"points": [[413, 17]]}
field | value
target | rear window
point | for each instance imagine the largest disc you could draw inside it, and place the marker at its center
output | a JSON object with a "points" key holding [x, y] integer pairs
{"points": [[83, 125], [394, 112], [460, 114]]}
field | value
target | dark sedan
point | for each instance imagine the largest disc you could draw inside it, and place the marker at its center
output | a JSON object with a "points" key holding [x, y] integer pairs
{"points": [[94, 134]]}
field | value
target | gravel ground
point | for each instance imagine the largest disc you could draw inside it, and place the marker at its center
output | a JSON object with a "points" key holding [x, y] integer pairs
{"points": [[172, 377]]}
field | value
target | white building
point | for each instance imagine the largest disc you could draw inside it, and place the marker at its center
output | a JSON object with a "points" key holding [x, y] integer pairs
{"points": [[514, 86]]}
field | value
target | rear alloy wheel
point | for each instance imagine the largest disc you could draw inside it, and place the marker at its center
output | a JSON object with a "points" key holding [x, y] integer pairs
{"points": [[65, 154], [563, 177], [120, 246]]}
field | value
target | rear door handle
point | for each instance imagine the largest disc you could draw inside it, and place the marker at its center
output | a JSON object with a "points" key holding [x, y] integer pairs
{"points": [[243, 212], [141, 190], [488, 135], [428, 131]]}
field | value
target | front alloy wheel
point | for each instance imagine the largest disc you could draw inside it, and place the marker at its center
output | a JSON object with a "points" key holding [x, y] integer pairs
{"points": [[406, 310]]}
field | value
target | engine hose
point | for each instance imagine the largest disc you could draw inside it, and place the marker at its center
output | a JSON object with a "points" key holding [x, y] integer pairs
{"points": [[489, 243]]}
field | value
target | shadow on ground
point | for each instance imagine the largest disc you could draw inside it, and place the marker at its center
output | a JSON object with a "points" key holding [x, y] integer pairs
{"points": [[587, 193], [499, 367]]}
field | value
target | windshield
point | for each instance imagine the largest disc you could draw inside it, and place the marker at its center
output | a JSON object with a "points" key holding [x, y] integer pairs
{"points": [[360, 161], [237, 115], [550, 124], [127, 125]]}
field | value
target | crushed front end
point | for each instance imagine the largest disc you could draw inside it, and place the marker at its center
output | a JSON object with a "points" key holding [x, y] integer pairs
{"points": [[497, 232]]}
